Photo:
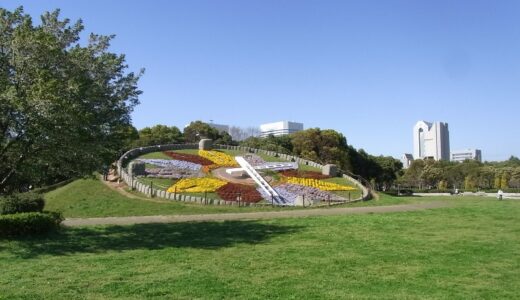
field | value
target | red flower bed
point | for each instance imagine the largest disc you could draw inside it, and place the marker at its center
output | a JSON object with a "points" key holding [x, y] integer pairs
{"points": [[304, 174], [231, 191], [189, 157]]}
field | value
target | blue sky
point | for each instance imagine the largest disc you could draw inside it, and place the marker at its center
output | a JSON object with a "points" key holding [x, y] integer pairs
{"points": [[369, 69]]}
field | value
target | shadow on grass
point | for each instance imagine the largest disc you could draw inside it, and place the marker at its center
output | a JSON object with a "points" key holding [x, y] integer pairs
{"points": [[205, 235]]}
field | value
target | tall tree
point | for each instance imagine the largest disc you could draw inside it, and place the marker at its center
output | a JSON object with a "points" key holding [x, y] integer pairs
{"points": [[64, 108], [159, 134], [324, 146], [198, 130]]}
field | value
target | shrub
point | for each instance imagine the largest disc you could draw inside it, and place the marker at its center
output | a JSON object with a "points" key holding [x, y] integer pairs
{"points": [[24, 202], [29, 223]]}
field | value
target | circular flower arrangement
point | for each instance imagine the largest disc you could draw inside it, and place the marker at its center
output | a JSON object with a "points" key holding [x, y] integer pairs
{"points": [[289, 184]]}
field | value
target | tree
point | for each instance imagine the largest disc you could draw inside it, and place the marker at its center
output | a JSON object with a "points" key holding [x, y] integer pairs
{"points": [[514, 182], [64, 108], [323, 146], [198, 130], [159, 135], [504, 180], [280, 144], [388, 169]]}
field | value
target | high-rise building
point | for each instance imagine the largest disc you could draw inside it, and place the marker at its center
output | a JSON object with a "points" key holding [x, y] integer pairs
{"points": [[280, 128], [431, 140], [462, 155], [406, 159]]}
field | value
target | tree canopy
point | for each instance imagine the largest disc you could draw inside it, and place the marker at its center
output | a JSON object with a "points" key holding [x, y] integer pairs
{"points": [[198, 130], [157, 135], [64, 107]]}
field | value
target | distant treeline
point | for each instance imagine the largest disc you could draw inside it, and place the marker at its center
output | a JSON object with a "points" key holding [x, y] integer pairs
{"points": [[330, 146]]}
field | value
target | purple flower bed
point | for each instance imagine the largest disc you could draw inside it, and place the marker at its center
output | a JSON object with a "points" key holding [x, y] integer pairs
{"points": [[172, 173], [254, 160], [291, 191], [177, 164]]}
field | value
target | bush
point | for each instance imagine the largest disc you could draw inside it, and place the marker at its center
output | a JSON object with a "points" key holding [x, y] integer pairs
{"points": [[29, 223], [24, 202]]}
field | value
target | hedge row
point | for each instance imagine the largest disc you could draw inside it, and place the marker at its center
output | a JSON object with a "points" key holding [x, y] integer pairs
{"points": [[29, 223], [19, 203]]}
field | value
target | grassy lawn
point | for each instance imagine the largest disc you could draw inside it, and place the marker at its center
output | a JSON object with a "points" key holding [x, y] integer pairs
{"points": [[155, 155], [468, 251], [91, 198]]}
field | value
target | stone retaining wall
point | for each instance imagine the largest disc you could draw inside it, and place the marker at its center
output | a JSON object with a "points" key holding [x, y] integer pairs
{"points": [[152, 192]]}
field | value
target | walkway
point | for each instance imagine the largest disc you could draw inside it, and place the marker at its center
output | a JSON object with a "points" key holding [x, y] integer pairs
{"points": [[301, 213]]}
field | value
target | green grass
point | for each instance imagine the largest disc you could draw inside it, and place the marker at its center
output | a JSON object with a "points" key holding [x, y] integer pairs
{"points": [[91, 198], [158, 183], [155, 155], [468, 251]]}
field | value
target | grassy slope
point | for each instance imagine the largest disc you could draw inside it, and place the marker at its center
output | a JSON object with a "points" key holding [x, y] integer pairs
{"points": [[91, 198], [468, 251]]}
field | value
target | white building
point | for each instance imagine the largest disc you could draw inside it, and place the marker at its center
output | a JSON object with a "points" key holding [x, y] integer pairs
{"points": [[280, 128], [406, 159], [431, 140], [462, 155]]}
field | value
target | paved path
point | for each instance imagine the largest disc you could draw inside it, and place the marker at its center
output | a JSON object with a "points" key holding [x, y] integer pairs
{"points": [[252, 215]]}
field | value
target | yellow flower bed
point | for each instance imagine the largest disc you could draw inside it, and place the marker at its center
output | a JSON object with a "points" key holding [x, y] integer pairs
{"points": [[319, 184], [219, 158], [196, 185]]}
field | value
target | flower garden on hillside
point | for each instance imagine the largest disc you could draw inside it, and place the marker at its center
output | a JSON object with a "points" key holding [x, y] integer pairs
{"points": [[194, 172], [318, 184]]}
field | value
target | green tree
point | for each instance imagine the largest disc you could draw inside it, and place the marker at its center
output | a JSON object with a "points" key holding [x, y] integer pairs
{"points": [[198, 130], [497, 180], [64, 105], [504, 180], [280, 144], [514, 182], [323, 146], [159, 135], [470, 183], [443, 185]]}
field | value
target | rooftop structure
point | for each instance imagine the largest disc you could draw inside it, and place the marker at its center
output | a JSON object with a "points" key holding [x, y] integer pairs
{"points": [[280, 128]]}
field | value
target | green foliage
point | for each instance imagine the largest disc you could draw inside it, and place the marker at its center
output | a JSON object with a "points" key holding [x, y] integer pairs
{"points": [[64, 104], [29, 223], [198, 130], [323, 146], [504, 180], [158, 135], [280, 144], [469, 174], [443, 185], [23, 202], [470, 183]]}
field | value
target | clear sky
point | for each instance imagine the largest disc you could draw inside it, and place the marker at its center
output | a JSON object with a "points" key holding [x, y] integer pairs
{"points": [[369, 69]]}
